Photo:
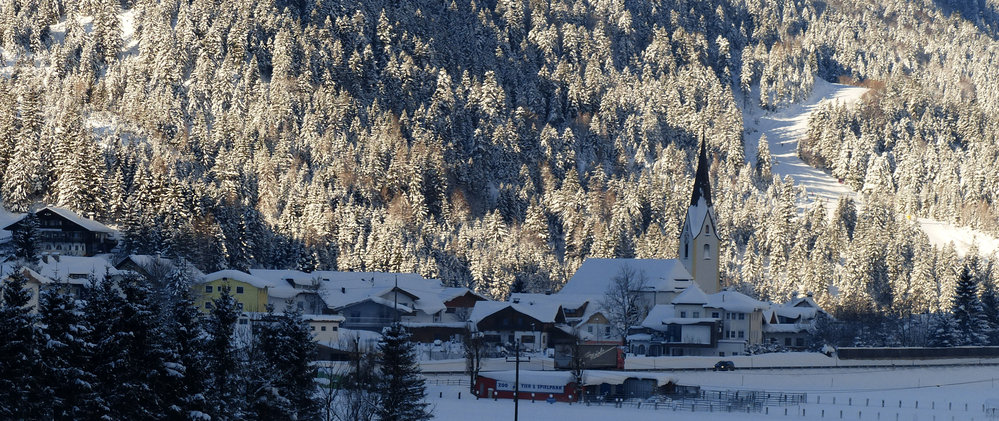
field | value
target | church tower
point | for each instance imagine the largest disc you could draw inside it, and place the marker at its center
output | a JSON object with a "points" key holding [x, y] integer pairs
{"points": [[698, 236]]}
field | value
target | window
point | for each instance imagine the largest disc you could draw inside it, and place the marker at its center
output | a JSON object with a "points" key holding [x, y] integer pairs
{"points": [[799, 342], [527, 339], [323, 328], [208, 289], [686, 251], [683, 314], [239, 290], [589, 329], [607, 330], [312, 328], [697, 315], [707, 229], [742, 316], [714, 314], [243, 321], [707, 251], [742, 334], [787, 341]]}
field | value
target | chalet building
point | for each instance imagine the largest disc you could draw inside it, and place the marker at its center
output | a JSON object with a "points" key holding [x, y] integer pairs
{"points": [[61, 231], [788, 324], [536, 326]]}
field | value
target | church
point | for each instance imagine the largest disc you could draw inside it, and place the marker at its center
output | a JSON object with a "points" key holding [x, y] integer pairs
{"points": [[686, 312]]}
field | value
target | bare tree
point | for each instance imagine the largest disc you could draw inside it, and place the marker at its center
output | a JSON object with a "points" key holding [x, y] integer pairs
{"points": [[623, 303], [356, 398], [577, 361], [475, 348]]}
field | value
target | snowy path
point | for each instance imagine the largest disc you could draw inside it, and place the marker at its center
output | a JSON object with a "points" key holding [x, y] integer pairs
{"points": [[785, 127]]}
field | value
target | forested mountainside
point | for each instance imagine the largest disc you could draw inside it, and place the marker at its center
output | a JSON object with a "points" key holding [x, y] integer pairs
{"points": [[496, 144]]}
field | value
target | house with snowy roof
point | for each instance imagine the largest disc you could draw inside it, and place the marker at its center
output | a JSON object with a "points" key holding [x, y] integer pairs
{"points": [[62, 231], [695, 323], [252, 293], [789, 324], [535, 325]]}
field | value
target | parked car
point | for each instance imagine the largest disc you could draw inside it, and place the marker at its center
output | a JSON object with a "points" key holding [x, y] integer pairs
{"points": [[725, 366]]}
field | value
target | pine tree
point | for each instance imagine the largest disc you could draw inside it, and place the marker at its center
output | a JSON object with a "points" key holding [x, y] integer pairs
{"points": [[64, 354], [968, 314], [285, 388], [223, 356], [19, 351], [25, 239], [400, 385], [764, 161], [186, 338]]}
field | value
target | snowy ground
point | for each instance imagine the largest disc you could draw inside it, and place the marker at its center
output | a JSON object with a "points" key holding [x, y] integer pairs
{"points": [[936, 393], [786, 126]]}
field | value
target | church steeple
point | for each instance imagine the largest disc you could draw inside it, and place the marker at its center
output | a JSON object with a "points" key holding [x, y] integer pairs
{"points": [[699, 240], [702, 186]]}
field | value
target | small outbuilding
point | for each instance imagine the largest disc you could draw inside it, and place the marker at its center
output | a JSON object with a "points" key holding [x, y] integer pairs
{"points": [[561, 385]]}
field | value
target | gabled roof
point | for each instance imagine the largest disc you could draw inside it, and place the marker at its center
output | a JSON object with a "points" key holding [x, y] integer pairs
{"points": [[542, 312], [594, 276], [657, 314], [85, 223], [66, 267], [274, 289], [340, 289], [692, 295], [735, 301]]}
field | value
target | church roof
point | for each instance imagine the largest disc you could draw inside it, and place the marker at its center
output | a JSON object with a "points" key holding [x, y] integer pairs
{"points": [[702, 186]]}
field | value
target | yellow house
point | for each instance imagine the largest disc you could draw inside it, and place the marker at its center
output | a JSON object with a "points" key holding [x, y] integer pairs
{"points": [[251, 293]]}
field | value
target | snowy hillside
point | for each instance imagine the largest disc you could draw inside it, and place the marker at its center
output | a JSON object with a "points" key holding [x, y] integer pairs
{"points": [[785, 127]]}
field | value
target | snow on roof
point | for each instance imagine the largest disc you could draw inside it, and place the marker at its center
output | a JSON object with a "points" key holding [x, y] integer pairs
{"points": [[531, 376], [543, 312], [79, 267], [783, 328], [569, 301], [657, 314], [796, 312], [735, 301], [299, 279], [692, 295], [597, 377], [639, 337], [696, 215], [274, 289], [590, 377], [340, 289], [86, 223], [594, 276], [450, 293], [323, 318], [687, 320]]}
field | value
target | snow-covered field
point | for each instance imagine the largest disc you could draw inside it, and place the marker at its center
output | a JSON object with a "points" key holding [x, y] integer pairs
{"points": [[785, 127], [904, 393]]}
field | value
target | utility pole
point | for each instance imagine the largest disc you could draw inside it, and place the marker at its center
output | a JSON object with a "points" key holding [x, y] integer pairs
{"points": [[516, 382]]}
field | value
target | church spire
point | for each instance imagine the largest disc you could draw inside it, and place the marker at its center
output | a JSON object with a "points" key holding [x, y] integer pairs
{"points": [[702, 186]]}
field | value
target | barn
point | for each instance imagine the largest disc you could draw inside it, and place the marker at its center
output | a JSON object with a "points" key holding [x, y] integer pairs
{"points": [[561, 386]]}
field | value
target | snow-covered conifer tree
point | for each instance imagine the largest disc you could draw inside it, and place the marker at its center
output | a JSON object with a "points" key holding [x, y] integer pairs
{"points": [[401, 388], [20, 392]]}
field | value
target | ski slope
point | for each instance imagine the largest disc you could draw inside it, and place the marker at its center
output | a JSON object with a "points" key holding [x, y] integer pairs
{"points": [[785, 127]]}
